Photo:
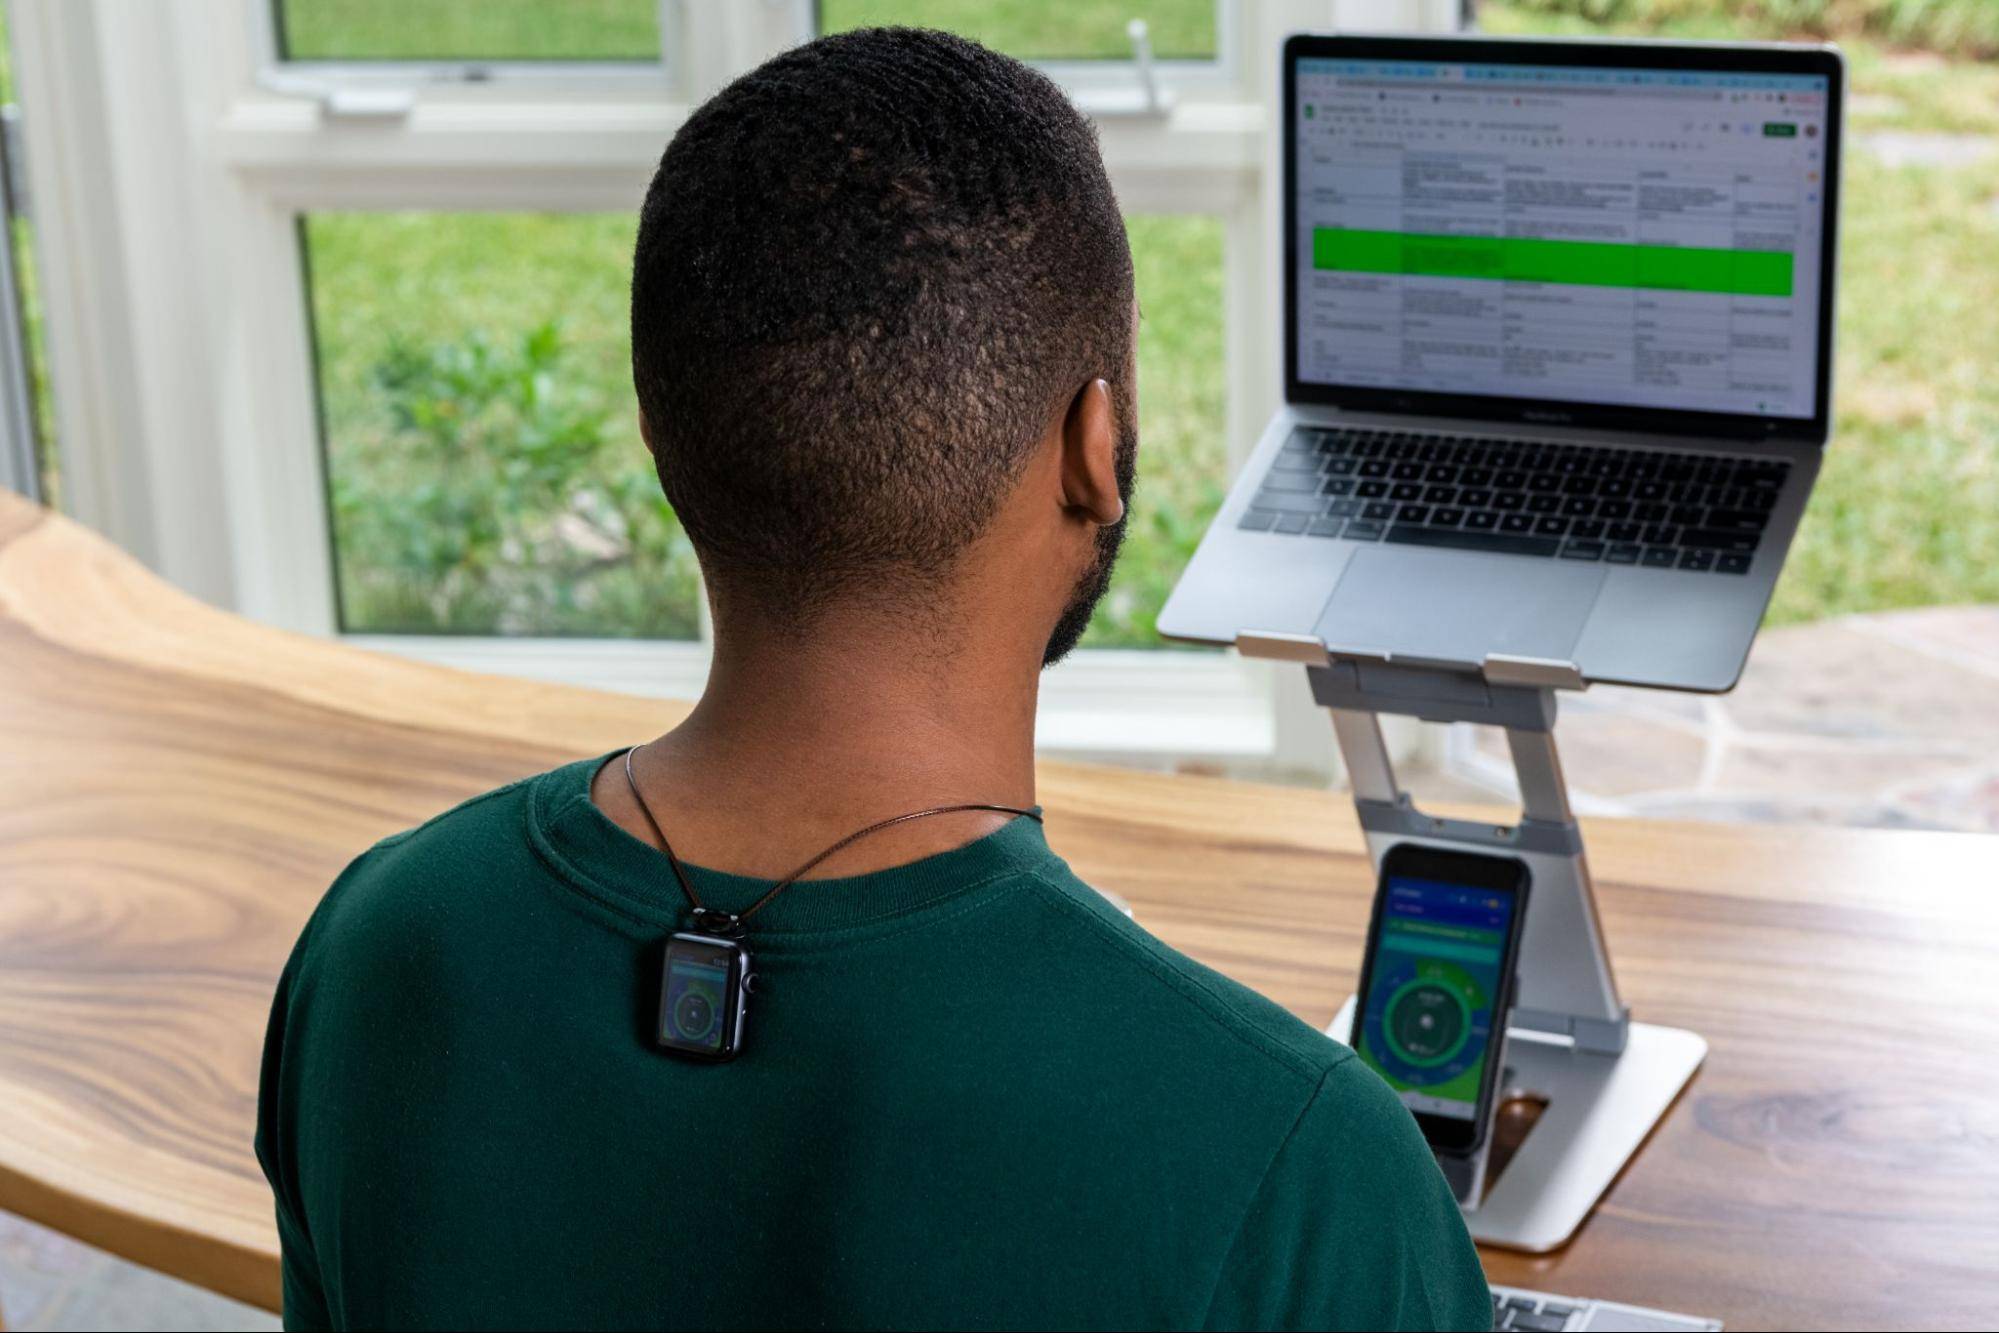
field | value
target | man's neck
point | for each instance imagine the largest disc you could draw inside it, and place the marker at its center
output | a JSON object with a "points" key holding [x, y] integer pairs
{"points": [[797, 742]]}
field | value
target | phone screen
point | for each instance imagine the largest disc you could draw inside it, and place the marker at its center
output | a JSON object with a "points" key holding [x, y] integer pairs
{"points": [[1434, 982]]}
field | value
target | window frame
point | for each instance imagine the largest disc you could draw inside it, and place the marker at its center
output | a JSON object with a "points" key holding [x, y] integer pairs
{"points": [[1097, 85], [190, 346]]}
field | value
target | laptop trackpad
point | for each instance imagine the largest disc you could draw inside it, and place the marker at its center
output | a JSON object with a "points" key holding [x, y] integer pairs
{"points": [[1454, 606]]}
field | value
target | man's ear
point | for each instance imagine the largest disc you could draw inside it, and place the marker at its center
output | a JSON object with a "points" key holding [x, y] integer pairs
{"points": [[1089, 456]]}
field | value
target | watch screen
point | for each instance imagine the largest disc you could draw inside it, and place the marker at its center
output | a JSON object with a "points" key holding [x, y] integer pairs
{"points": [[695, 1005], [1427, 1023]]}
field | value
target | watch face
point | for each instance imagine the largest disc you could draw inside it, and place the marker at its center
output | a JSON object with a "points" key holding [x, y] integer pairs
{"points": [[697, 996], [695, 1012]]}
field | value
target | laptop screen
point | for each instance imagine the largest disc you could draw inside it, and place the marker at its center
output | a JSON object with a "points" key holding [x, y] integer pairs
{"points": [[1647, 238]]}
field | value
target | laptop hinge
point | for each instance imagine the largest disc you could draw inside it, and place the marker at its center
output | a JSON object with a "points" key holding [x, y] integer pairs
{"points": [[1277, 646], [1541, 673]]}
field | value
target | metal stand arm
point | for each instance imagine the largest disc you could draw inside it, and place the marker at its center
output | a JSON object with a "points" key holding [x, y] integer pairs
{"points": [[1566, 986]]}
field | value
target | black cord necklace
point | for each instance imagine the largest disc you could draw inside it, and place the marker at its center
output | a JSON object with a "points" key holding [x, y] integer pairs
{"points": [[705, 982]]}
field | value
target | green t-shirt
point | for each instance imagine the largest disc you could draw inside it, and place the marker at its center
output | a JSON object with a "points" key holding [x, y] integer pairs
{"points": [[972, 1094]]}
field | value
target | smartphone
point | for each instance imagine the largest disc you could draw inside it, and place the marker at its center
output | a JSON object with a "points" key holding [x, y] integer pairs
{"points": [[1436, 985]]}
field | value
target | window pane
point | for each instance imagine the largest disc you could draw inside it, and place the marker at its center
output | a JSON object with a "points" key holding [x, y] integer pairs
{"points": [[1183, 467], [482, 457], [1044, 29], [483, 461], [467, 29], [27, 286]]}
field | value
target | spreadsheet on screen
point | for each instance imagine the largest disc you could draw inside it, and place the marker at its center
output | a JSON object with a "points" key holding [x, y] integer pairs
{"points": [[1599, 235]]}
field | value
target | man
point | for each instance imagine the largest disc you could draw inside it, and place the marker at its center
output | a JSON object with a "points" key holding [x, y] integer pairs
{"points": [[882, 335]]}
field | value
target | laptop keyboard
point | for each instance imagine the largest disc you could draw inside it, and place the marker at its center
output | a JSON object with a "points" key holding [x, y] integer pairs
{"points": [[1538, 1312], [1698, 512], [1532, 1312]]}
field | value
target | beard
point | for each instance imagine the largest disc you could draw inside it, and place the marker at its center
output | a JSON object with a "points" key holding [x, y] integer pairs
{"points": [[1096, 579]]}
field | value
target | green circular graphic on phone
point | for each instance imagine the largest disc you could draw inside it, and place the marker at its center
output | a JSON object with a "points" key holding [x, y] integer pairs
{"points": [[1426, 1022]]}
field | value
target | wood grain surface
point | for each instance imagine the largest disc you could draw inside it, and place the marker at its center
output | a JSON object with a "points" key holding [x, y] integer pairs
{"points": [[178, 786]]}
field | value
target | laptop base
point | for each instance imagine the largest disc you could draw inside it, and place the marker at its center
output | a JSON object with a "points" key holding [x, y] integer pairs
{"points": [[1602, 1081]]}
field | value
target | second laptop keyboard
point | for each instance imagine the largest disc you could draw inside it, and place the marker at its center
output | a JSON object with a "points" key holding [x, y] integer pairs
{"points": [[1699, 512]]}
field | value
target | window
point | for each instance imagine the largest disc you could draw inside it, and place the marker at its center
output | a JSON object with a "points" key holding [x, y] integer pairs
{"points": [[462, 30], [483, 468], [402, 232], [483, 464], [27, 434], [1039, 30]]}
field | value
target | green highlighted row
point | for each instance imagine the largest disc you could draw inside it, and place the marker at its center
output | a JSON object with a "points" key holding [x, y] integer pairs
{"points": [[1581, 263]]}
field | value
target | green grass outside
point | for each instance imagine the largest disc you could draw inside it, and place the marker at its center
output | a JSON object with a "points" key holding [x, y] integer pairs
{"points": [[485, 30], [1040, 30], [629, 29], [429, 281], [1907, 509]]}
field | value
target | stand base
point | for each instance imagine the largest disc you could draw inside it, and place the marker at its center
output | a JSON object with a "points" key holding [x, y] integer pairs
{"points": [[1599, 1110]]}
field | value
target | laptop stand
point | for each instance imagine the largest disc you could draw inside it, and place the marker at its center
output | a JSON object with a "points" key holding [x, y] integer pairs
{"points": [[1603, 1079]]}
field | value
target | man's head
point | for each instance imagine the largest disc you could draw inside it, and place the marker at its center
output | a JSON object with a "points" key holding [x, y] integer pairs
{"points": [[876, 280]]}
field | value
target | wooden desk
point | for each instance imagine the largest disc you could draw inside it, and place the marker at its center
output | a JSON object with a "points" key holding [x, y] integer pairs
{"points": [[178, 786]]}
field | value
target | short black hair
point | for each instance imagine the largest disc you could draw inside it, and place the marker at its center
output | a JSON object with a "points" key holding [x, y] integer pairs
{"points": [[868, 273]]}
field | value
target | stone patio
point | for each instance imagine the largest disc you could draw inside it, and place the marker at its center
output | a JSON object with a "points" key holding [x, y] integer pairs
{"points": [[49, 1281], [1876, 721]]}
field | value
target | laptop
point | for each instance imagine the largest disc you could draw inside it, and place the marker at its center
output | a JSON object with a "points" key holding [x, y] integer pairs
{"points": [[1557, 360]]}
